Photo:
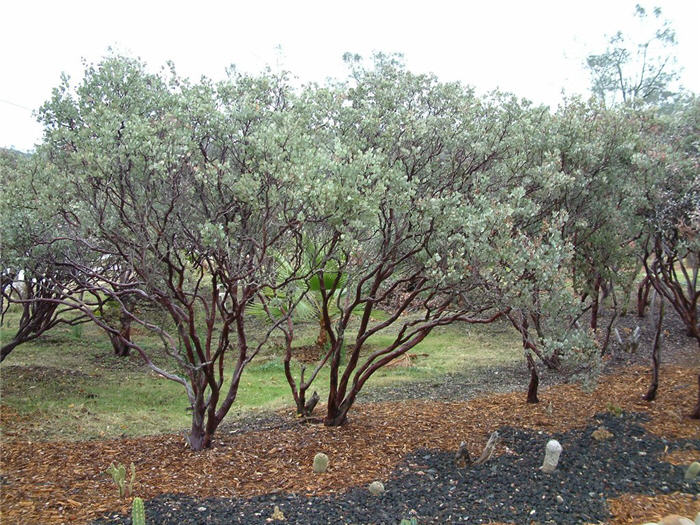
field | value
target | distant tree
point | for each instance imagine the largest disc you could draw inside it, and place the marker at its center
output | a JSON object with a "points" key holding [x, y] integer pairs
{"points": [[570, 165], [596, 147], [670, 245], [631, 70], [33, 281]]}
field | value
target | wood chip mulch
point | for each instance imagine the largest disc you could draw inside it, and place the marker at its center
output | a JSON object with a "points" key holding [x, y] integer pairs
{"points": [[65, 482], [643, 509]]}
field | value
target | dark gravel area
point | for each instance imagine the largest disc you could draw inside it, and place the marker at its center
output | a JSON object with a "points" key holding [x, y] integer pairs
{"points": [[459, 386], [508, 488], [677, 348]]}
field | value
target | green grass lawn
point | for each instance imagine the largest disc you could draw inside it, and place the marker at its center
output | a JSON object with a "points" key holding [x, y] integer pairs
{"points": [[68, 385]]}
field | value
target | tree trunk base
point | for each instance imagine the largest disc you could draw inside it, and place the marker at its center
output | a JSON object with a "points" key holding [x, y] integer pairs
{"points": [[462, 457], [534, 381], [120, 347], [309, 406], [651, 393], [695, 414], [335, 421], [198, 439]]}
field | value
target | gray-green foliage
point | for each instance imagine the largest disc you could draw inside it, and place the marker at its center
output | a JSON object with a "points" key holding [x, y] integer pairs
{"points": [[203, 197], [576, 168], [193, 187], [33, 276], [450, 220], [670, 214]]}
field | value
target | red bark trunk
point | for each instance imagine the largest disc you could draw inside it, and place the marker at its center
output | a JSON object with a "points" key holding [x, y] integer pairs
{"points": [[198, 438], [7, 349], [596, 304], [119, 342], [337, 414], [322, 338], [534, 381], [656, 357], [643, 296], [695, 414], [336, 418]]}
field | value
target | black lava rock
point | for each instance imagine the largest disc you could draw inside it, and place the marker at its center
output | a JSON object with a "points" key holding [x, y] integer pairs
{"points": [[509, 487]]}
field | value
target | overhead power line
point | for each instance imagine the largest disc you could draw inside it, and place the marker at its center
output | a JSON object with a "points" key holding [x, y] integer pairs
{"points": [[10, 103]]}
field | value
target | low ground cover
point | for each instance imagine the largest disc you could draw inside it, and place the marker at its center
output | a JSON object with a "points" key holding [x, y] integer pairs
{"points": [[69, 385]]}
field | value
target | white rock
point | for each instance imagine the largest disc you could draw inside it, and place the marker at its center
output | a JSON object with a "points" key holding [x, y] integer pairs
{"points": [[551, 457]]}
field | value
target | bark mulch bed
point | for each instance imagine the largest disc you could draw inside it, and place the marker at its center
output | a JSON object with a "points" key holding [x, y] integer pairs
{"points": [[64, 482]]}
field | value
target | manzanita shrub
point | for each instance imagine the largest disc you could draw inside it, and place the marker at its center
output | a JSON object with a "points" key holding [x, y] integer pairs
{"points": [[216, 201]]}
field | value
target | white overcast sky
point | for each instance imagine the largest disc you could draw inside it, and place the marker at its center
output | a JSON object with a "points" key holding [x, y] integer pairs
{"points": [[533, 48]]}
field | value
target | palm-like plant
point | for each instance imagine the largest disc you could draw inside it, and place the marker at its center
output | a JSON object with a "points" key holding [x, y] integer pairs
{"points": [[303, 302]]}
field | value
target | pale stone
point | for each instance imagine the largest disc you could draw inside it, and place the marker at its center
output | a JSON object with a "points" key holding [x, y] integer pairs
{"points": [[551, 457], [674, 519], [320, 463], [376, 488], [693, 470]]}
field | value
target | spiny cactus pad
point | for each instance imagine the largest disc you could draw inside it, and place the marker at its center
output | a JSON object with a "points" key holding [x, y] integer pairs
{"points": [[277, 514], [118, 474], [376, 488], [601, 434], [320, 463]]}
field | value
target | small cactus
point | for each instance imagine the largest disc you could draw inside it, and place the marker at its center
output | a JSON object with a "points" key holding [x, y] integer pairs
{"points": [[412, 521], [118, 474], [320, 463], [693, 471], [138, 512], [277, 514], [376, 488], [614, 409]]}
